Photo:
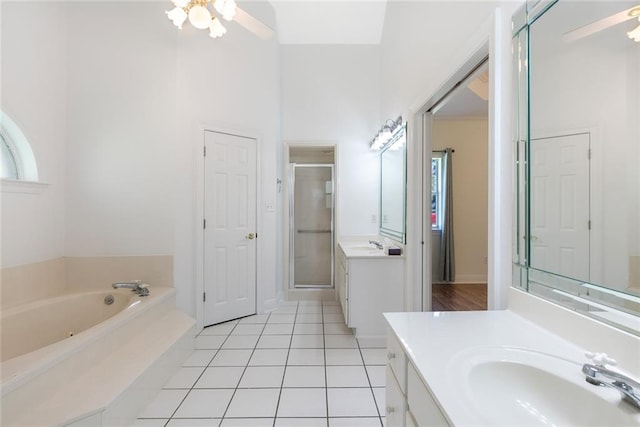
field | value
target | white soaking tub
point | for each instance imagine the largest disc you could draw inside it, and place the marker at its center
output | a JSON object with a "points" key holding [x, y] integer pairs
{"points": [[75, 359]]}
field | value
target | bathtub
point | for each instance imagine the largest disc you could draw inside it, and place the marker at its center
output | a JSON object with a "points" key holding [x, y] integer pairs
{"points": [[78, 359]]}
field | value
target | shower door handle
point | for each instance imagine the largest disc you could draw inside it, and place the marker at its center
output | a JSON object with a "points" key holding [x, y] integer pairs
{"points": [[250, 236]]}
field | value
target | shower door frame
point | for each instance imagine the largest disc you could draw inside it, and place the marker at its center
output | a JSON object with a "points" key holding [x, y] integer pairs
{"points": [[292, 231]]}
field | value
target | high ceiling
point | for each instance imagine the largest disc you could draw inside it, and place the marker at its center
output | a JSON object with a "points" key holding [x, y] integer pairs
{"points": [[329, 21]]}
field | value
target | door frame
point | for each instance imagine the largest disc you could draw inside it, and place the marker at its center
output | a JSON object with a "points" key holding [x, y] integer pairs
{"points": [[290, 293], [198, 229]]}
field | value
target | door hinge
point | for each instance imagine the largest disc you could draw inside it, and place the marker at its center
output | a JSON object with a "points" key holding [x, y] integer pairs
{"points": [[204, 297], [204, 223], [589, 225], [589, 154], [205, 151]]}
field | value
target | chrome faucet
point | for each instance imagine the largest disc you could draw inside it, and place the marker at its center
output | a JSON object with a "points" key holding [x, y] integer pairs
{"points": [[598, 374], [377, 244], [136, 286]]}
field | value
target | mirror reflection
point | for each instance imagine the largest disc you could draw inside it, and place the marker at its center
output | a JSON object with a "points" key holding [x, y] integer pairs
{"points": [[393, 187]]}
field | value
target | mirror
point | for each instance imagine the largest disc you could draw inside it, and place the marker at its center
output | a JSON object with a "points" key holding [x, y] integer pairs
{"points": [[393, 180], [577, 234]]}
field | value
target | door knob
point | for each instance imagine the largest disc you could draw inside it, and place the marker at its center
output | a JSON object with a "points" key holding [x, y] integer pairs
{"points": [[250, 236]]}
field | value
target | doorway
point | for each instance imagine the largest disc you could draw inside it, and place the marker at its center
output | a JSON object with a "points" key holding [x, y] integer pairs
{"points": [[229, 228], [311, 204]]}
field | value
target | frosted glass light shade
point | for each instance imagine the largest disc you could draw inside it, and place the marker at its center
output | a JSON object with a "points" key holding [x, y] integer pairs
{"points": [[181, 3], [200, 17], [635, 33], [216, 29], [227, 8], [177, 15]]}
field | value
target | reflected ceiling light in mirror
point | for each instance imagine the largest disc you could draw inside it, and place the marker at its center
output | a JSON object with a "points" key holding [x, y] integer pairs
{"points": [[385, 134], [603, 24]]}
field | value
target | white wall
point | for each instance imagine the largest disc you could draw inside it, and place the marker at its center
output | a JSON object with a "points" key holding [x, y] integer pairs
{"points": [[136, 90], [33, 94], [332, 93]]}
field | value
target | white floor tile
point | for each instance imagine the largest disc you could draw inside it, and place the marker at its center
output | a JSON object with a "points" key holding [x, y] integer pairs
{"points": [[374, 356], [282, 318], [278, 329], [221, 329], [287, 309], [310, 303], [248, 329], [307, 341], [209, 342], [194, 422], [306, 356], [256, 318], [373, 342], [200, 358], [308, 329], [304, 376], [262, 377], [163, 405], [340, 341], [269, 357], [274, 341], [332, 309], [151, 423], [329, 303], [250, 403], [379, 394], [240, 341], [310, 309], [337, 329], [231, 358], [185, 377], [333, 318], [302, 402], [377, 375], [301, 422], [346, 376], [247, 422], [343, 356], [204, 404], [355, 422], [220, 377], [309, 318], [351, 402]]}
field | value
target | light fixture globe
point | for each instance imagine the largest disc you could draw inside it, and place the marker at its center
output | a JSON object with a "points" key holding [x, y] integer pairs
{"points": [[200, 17], [216, 29], [177, 15]]}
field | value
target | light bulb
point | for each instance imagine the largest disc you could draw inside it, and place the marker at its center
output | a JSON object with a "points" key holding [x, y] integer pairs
{"points": [[216, 29], [200, 17], [177, 15]]}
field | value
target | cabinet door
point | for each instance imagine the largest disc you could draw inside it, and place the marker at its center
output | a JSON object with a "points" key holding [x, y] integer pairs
{"points": [[421, 404], [342, 287], [395, 406]]}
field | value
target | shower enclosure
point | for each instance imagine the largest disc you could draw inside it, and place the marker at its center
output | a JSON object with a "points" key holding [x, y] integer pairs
{"points": [[311, 234]]}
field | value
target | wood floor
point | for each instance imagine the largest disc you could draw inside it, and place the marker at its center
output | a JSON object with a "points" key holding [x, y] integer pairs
{"points": [[458, 297]]}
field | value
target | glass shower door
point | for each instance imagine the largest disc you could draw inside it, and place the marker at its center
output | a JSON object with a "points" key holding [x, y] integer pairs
{"points": [[311, 257]]}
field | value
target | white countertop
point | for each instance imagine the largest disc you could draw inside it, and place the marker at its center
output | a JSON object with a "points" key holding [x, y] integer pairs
{"points": [[436, 343], [363, 249]]}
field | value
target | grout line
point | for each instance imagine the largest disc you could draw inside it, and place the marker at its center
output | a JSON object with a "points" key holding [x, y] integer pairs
{"points": [[286, 363], [326, 379], [366, 371]]}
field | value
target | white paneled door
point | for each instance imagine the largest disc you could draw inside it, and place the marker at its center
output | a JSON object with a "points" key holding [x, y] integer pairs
{"points": [[230, 227], [560, 215]]}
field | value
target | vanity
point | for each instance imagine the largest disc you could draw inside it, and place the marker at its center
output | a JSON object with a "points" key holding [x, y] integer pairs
{"points": [[575, 241], [368, 284]]}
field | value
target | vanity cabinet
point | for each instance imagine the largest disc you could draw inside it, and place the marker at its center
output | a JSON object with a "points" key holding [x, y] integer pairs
{"points": [[408, 401], [368, 285]]}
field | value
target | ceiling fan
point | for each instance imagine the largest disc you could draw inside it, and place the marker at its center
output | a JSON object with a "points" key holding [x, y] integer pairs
{"points": [[202, 17], [604, 23]]}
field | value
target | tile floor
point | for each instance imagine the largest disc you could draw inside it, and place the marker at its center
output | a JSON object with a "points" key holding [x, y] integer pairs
{"points": [[296, 366]]}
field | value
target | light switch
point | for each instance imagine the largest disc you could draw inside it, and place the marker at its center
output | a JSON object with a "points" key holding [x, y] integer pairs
{"points": [[269, 207]]}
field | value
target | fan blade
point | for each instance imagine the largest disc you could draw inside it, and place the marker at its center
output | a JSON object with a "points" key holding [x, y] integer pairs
{"points": [[252, 24], [599, 25]]}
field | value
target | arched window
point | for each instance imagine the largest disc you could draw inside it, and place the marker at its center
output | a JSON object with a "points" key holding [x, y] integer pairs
{"points": [[18, 162]]}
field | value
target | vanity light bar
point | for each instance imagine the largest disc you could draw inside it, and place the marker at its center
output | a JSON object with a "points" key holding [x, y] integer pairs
{"points": [[612, 292], [386, 133]]}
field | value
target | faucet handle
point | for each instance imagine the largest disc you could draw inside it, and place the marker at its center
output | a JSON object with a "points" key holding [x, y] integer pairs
{"points": [[601, 359]]}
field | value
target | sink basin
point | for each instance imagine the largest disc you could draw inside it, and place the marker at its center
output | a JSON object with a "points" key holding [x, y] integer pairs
{"points": [[509, 386], [364, 248]]}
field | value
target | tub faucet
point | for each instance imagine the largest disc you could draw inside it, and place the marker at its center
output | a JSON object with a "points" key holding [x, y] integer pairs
{"points": [[377, 244], [136, 286], [600, 375]]}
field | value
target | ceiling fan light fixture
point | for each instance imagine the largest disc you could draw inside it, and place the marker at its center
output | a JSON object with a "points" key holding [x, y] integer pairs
{"points": [[635, 34], [181, 3], [634, 12], [216, 29], [200, 17], [227, 8]]}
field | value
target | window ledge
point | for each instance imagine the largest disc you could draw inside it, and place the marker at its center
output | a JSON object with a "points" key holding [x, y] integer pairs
{"points": [[17, 186]]}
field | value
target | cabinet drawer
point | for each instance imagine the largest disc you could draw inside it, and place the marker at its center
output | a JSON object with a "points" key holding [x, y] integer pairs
{"points": [[397, 360], [395, 405], [422, 406]]}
